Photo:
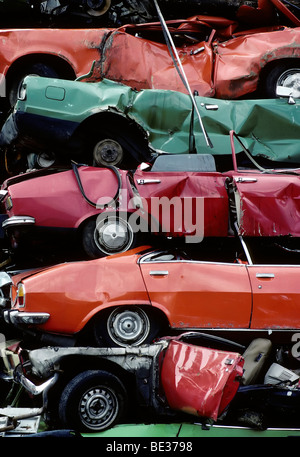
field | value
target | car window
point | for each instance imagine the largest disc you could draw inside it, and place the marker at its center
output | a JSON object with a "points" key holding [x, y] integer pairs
{"points": [[193, 255]]}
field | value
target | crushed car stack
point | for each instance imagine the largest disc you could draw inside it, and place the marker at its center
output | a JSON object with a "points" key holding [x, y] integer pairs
{"points": [[150, 213]]}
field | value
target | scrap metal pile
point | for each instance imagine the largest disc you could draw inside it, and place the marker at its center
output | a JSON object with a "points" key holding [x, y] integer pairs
{"points": [[150, 215]]}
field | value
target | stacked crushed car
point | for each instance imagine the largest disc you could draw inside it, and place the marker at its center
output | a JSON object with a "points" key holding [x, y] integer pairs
{"points": [[150, 215]]}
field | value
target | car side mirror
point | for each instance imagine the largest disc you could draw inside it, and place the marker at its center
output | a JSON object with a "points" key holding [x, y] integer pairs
{"points": [[285, 92]]}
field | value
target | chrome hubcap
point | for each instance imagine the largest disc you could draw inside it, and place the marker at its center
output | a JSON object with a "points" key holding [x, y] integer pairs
{"points": [[113, 235], [291, 79], [129, 327]]}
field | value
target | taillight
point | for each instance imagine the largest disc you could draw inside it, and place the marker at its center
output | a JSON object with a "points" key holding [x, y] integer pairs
{"points": [[21, 295]]}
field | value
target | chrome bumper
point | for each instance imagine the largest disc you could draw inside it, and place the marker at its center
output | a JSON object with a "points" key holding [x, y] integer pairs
{"points": [[17, 221], [15, 317]]}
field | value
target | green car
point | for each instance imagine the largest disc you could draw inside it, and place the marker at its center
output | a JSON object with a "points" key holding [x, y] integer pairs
{"points": [[108, 123]]}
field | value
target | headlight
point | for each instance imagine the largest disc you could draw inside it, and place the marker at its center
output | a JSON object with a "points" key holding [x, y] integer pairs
{"points": [[8, 203]]}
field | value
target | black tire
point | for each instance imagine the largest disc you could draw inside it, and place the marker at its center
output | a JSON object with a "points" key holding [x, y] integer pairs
{"points": [[37, 69], [92, 401], [125, 326], [283, 74], [107, 235]]}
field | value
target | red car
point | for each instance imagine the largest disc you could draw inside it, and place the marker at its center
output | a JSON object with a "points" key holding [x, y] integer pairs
{"points": [[131, 298], [112, 210], [219, 56]]}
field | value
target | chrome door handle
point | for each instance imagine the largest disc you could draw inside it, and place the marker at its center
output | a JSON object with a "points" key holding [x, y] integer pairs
{"points": [[148, 181], [265, 275], [159, 273], [242, 179]]}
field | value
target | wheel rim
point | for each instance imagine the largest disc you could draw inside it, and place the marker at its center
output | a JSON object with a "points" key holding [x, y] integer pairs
{"points": [[291, 79], [128, 327], [98, 7], [113, 235], [98, 408], [108, 152]]}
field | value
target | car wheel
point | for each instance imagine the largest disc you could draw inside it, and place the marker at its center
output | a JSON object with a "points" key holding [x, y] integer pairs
{"points": [[125, 326], [108, 235], [37, 69], [286, 75], [92, 401], [108, 152], [97, 7]]}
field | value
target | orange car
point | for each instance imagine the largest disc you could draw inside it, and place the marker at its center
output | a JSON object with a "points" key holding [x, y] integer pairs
{"points": [[130, 298], [220, 59]]}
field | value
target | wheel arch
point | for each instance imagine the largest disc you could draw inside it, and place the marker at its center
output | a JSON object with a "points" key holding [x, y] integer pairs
{"points": [[152, 311], [73, 365], [58, 63], [91, 250], [122, 124], [270, 64]]}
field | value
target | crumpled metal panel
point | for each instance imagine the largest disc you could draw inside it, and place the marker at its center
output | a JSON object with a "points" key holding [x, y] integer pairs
{"points": [[225, 63], [194, 199], [198, 380], [48, 359], [150, 65], [270, 206], [240, 60]]}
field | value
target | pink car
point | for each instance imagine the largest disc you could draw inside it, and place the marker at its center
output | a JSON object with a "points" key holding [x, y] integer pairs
{"points": [[178, 196]]}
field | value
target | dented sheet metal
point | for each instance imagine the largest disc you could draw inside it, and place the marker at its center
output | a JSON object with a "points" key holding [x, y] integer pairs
{"points": [[180, 202], [267, 202], [198, 380], [239, 61], [269, 128], [268, 205], [222, 60]]}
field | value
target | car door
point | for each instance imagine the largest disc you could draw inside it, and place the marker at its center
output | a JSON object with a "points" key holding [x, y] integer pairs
{"points": [[276, 296], [267, 204], [184, 203], [196, 294]]}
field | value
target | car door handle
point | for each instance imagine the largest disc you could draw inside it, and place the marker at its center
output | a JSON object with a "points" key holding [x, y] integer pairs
{"points": [[159, 273], [265, 275], [241, 179], [148, 181]]}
